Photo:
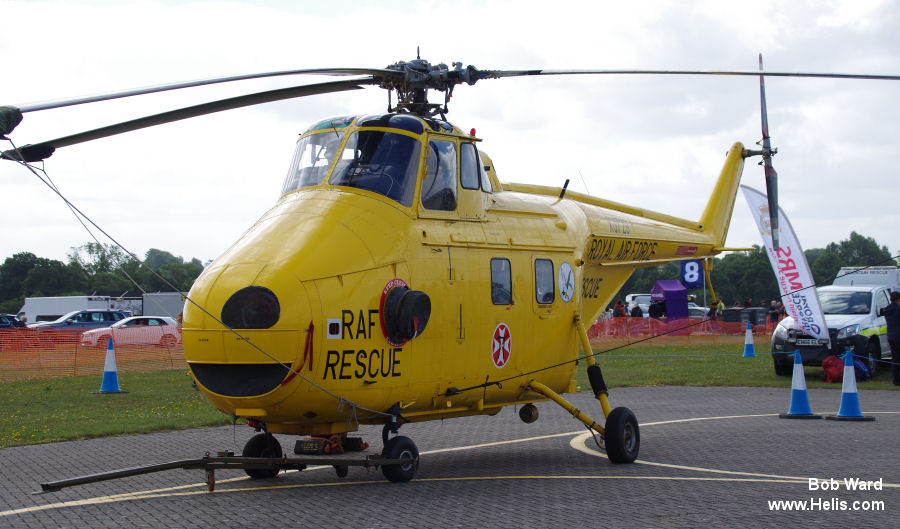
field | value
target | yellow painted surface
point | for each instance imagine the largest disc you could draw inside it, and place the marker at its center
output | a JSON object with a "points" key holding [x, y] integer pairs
{"points": [[328, 252]]}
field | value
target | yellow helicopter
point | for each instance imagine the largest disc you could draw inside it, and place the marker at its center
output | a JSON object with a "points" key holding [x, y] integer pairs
{"points": [[398, 280]]}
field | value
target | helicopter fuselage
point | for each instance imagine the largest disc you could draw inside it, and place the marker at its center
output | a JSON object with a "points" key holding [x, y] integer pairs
{"points": [[294, 331]]}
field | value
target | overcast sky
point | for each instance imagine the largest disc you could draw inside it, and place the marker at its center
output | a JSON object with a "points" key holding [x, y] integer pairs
{"points": [[193, 187]]}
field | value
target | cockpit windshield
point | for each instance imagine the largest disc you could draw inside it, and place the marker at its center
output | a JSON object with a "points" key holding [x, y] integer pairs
{"points": [[312, 158], [383, 162]]}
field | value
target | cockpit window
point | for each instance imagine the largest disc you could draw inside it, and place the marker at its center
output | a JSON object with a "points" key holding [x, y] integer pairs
{"points": [[485, 179], [312, 157], [469, 174], [439, 185], [383, 162]]}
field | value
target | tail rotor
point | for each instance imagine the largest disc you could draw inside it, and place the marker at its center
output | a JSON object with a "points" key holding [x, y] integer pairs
{"points": [[767, 153]]}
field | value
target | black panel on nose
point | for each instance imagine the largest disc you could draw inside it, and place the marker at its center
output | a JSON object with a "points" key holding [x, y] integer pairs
{"points": [[239, 380], [251, 307]]}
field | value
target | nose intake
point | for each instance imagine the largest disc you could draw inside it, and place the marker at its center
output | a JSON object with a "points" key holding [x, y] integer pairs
{"points": [[251, 307]]}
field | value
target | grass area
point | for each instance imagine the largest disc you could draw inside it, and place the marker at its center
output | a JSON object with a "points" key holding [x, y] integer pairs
{"points": [[40, 411], [705, 365]]}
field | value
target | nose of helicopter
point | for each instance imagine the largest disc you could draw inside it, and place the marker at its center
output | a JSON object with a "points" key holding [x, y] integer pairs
{"points": [[260, 297], [244, 342]]}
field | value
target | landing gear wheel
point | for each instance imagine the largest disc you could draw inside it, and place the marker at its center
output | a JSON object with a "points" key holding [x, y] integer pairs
{"points": [[262, 445], [341, 470], [403, 448], [623, 438]]}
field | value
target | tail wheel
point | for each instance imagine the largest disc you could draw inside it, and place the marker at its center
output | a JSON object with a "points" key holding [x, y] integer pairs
{"points": [[168, 341], [262, 445], [623, 438], [402, 448]]}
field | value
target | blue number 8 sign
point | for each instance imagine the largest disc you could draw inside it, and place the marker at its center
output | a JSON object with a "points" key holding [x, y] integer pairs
{"points": [[692, 273]]}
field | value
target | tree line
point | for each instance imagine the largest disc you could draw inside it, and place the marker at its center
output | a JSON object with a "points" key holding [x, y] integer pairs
{"points": [[93, 269], [98, 269], [741, 275]]}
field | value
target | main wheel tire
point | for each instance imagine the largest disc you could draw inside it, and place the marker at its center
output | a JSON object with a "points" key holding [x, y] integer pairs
{"points": [[400, 447], [873, 355], [783, 369], [262, 445], [623, 437]]}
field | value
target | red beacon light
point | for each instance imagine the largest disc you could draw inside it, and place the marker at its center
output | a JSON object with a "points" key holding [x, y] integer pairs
{"points": [[472, 132]]}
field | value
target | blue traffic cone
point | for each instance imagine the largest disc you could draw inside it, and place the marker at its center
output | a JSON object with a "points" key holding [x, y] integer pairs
{"points": [[110, 382], [849, 397], [748, 343], [799, 408]]}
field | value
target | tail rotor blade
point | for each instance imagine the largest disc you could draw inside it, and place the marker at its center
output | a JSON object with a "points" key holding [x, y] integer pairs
{"points": [[767, 153]]}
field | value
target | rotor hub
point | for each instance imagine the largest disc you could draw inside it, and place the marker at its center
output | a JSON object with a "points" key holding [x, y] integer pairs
{"points": [[418, 77]]}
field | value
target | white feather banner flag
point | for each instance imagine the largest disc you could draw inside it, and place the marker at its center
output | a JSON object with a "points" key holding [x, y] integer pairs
{"points": [[798, 291]]}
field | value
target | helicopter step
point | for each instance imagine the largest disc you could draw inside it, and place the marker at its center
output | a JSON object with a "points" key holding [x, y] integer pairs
{"points": [[336, 444]]}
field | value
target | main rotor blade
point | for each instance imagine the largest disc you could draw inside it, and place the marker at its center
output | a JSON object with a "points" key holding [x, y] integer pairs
{"points": [[492, 74], [771, 175], [33, 107], [39, 151]]}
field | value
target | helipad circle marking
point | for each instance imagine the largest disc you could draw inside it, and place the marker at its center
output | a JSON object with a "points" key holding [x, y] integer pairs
{"points": [[579, 440]]}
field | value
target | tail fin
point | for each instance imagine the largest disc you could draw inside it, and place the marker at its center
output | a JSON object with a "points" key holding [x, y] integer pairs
{"points": [[717, 215]]}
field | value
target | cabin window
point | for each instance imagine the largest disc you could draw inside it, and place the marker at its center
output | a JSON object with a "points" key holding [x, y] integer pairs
{"points": [[312, 157], [468, 166], [501, 282], [439, 185], [382, 162], [544, 290]]}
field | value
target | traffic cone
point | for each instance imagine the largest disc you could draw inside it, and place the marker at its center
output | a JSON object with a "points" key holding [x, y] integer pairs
{"points": [[849, 397], [110, 382], [799, 408], [748, 343]]}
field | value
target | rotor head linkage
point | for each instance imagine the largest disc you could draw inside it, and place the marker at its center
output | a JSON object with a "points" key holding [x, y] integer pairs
{"points": [[418, 76]]}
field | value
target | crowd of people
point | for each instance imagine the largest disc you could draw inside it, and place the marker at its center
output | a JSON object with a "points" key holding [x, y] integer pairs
{"points": [[657, 309]]}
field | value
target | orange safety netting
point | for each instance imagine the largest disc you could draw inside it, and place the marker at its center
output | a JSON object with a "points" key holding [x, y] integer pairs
{"points": [[617, 331], [29, 354]]}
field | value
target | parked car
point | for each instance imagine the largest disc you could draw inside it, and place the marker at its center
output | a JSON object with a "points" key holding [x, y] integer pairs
{"points": [[696, 311], [855, 320], [82, 319], [66, 328], [14, 334], [136, 330], [10, 321]]}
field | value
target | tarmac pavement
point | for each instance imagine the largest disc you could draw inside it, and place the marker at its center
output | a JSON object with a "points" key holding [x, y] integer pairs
{"points": [[709, 457]]}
